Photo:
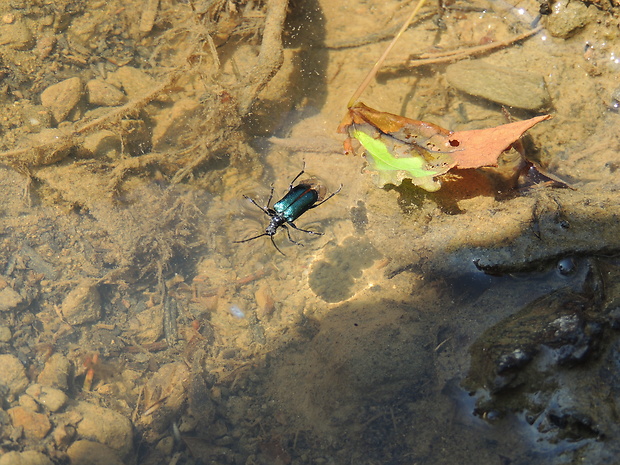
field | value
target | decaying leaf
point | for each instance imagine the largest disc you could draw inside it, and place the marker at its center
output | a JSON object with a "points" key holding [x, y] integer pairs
{"points": [[400, 148], [481, 147]]}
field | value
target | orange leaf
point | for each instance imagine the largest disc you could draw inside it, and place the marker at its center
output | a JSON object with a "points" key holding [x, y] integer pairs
{"points": [[482, 147]]}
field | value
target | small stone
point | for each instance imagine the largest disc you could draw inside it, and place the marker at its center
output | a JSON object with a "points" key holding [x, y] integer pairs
{"points": [[27, 457], [92, 453], [148, 325], [506, 86], [566, 18], [50, 136], [9, 299], [218, 429], [62, 97], [106, 427], [51, 398], [165, 446], [56, 372], [173, 124], [35, 425], [35, 117], [12, 375], [63, 435], [136, 83], [101, 93], [103, 143], [265, 302], [172, 379], [5, 334], [83, 304], [16, 35], [28, 402], [45, 45]]}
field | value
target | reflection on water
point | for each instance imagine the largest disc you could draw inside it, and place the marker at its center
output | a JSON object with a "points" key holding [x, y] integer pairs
{"points": [[420, 328]]}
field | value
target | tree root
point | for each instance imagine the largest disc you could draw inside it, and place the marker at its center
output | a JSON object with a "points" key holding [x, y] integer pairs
{"points": [[270, 57]]}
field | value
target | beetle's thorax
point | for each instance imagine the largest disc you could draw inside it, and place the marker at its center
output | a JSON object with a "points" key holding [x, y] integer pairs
{"points": [[276, 221]]}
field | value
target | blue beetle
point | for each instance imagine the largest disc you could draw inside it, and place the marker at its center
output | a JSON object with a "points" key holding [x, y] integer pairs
{"points": [[298, 200]]}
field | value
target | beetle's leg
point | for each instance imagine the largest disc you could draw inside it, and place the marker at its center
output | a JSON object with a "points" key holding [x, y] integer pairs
{"points": [[303, 230], [303, 168], [288, 233], [326, 199], [270, 197], [277, 248], [264, 209]]}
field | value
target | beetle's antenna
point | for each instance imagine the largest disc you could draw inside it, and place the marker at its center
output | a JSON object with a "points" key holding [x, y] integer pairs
{"points": [[379, 63], [264, 209]]}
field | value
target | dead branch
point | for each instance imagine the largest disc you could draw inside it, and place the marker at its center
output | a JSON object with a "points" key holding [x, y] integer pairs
{"points": [[450, 56]]}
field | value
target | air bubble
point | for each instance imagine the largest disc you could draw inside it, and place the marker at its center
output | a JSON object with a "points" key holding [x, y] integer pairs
{"points": [[566, 266]]}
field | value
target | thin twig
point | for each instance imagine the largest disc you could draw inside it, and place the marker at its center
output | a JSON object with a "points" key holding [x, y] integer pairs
{"points": [[449, 56]]}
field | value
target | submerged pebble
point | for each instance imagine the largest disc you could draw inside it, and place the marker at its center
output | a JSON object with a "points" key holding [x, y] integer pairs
{"points": [[104, 143], [27, 457], [82, 304], [62, 97], [566, 18], [135, 82], [12, 375], [16, 35], [264, 301], [105, 426], [53, 399], [101, 93], [34, 425], [84, 452], [171, 126], [5, 334], [56, 372], [9, 299]]}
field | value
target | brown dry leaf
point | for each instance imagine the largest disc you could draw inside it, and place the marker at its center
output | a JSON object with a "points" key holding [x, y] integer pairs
{"points": [[482, 147]]}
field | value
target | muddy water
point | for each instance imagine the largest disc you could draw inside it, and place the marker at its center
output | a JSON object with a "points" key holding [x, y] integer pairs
{"points": [[451, 327]]}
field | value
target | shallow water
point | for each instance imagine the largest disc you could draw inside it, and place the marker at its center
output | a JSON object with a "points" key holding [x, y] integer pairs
{"points": [[448, 327]]}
